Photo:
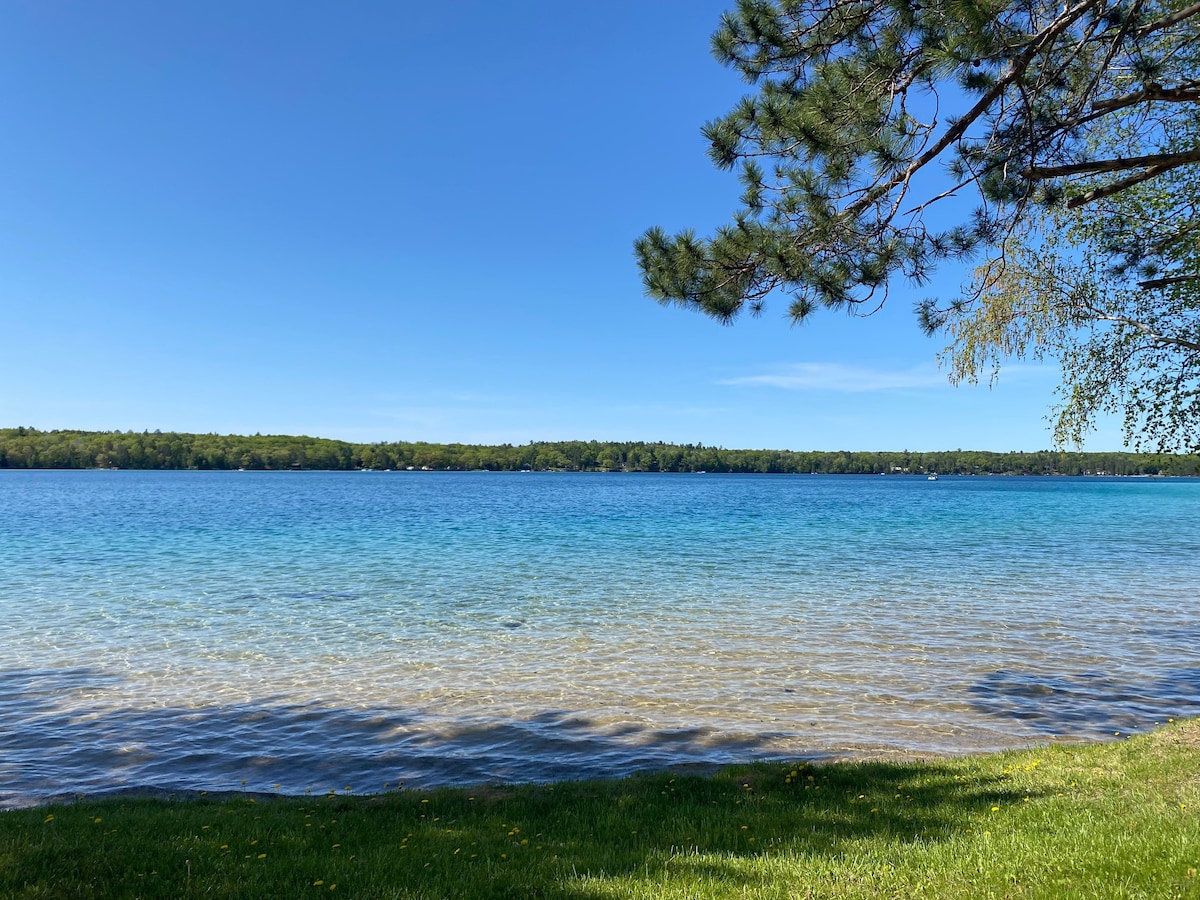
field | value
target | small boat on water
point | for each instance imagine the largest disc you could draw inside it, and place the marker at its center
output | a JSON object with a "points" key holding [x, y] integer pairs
{"points": [[932, 477]]}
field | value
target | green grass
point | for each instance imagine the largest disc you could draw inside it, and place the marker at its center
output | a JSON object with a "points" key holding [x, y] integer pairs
{"points": [[1120, 819]]}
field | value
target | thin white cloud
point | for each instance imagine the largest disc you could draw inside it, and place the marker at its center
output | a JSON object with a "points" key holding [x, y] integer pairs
{"points": [[839, 377]]}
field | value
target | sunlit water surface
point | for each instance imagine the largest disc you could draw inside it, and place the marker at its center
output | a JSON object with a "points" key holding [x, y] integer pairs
{"points": [[315, 631]]}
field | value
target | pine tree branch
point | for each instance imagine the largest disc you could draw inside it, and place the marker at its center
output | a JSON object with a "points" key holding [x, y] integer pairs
{"points": [[1186, 13], [1188, 93], [1185, 93], [1161, 161], [1114, 43], [1117, 186], [1167, 282], [953, 134]]}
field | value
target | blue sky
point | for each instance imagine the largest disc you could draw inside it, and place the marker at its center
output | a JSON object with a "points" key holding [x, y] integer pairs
{"points": [[403, 221]]}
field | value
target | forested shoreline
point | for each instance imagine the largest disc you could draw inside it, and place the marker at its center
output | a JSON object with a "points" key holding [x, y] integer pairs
{"points": [[28, 448]]}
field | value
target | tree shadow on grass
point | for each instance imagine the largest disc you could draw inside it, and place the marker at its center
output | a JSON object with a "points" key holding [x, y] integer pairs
{"points": [[662, 826], [702, 835]]}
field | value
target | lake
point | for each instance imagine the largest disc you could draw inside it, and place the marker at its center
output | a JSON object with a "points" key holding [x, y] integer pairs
{"points": [[316, 631]]}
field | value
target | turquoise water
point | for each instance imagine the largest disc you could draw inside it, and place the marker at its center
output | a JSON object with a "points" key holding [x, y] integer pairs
{"points": [[317, 631]]}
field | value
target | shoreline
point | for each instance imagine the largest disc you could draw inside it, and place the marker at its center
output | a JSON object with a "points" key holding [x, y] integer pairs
{"points": [[1105, 819], [73, 449], [840, 757]]}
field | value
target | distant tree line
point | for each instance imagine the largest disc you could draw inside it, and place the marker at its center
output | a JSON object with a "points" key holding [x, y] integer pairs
{"points": [[28, 448]]}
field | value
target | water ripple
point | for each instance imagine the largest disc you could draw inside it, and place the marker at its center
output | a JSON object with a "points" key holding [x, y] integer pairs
{"points": [[215, 631]]}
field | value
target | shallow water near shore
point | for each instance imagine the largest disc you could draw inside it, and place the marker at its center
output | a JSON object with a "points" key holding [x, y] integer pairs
{"points": [[314, 631]]}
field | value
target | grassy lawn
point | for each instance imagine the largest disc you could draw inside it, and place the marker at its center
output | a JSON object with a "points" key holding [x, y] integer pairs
{"points": [[1113, 820]]}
